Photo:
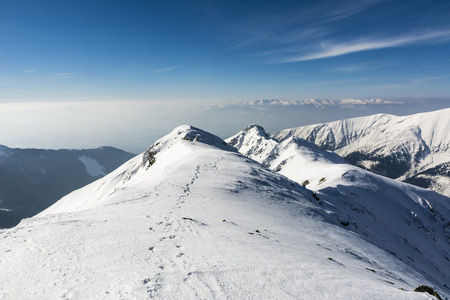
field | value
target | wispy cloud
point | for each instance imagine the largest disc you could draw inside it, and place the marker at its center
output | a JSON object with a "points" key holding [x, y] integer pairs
{"points": [[297, 24], [409, 83], [390, 86], [321, 30], [64, 75], [426, 79], [28, 71], [363, 66], [282, 37], [165, 69], [329, 49], [335, 82], [345, 11]]}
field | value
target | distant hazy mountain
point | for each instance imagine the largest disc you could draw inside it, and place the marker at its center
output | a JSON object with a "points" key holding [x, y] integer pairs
{"points": [[191, 218], [33, 179], [413, 149]]}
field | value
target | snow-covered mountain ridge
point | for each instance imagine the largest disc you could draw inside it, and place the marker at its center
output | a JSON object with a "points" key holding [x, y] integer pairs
{"points": [[192, 218], [414, 149], [361, 201]]}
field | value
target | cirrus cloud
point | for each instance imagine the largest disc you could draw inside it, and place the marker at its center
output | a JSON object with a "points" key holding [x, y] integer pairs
{"points": [[330, 49]]}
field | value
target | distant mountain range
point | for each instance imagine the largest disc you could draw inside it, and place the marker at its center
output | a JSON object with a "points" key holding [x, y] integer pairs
{"points": [[192, 218], [414, 149], [33, 179]]}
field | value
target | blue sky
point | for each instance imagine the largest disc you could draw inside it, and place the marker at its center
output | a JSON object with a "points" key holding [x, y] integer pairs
{"points": [[223, 50], [184, 53]]}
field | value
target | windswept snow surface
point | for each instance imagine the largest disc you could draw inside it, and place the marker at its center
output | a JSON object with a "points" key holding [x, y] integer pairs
{"points": [[191, 218], [414, 149], [410, 222]]}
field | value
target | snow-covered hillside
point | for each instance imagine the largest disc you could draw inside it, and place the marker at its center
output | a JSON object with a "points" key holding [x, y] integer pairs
{"points": [[414, 149], [33, 179], [361, 201], [191, 218]]}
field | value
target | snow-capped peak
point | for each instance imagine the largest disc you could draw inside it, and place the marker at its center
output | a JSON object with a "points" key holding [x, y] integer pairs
{"points": [[414, 148], [257, 128], [252, 137], [185, 133]]}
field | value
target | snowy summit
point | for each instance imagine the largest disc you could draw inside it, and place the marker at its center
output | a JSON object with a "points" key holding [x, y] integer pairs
{"points": [[413, 149]]}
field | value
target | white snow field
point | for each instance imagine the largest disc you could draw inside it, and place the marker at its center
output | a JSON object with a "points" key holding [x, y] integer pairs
{"points": [[93, 167], [412, 148], [191, 218]]}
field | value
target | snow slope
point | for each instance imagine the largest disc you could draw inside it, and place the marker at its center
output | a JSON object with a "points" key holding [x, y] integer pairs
{"points": [[92, 166], [410, 222], [413, 148], [191, 218]]}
